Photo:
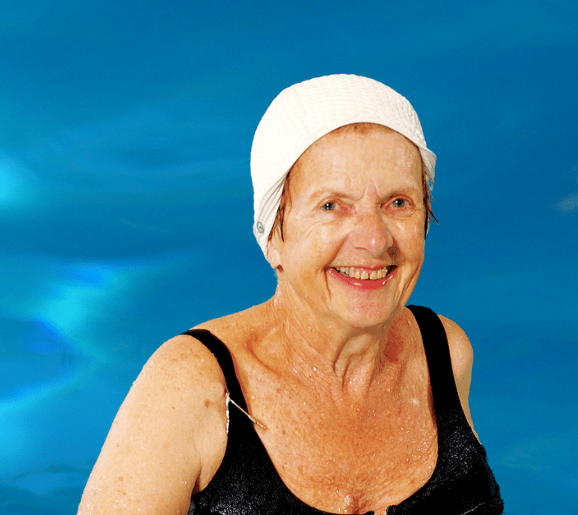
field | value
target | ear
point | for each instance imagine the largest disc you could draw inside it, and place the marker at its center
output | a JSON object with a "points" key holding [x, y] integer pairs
{"points": [[274, 246]]}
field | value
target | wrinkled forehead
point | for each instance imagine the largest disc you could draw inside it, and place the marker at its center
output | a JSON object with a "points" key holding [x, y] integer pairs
{"points": [[392, 142], [344, 153]]}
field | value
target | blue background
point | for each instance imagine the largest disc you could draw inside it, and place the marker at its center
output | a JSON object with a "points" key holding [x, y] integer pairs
{"points": [[126, 206]]}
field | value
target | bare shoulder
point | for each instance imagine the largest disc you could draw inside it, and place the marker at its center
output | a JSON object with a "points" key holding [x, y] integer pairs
{"points": [[167, 439], [183, 358], [237, 329], [461, 350]]}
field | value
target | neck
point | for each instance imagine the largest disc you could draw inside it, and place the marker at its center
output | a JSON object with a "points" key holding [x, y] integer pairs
{"points": [[349, 358]]}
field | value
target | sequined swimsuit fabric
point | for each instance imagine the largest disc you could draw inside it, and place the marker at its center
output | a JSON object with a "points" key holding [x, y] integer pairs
{"points": [[247, 483]]}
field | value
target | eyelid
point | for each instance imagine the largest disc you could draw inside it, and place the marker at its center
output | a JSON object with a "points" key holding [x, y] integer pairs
{"points": [[406, 209], [405, 198], [392, 199], [329, 200], [338, 204]]}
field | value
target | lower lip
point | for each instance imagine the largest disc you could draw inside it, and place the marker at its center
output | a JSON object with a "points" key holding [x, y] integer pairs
{"points": [[366, 284]]}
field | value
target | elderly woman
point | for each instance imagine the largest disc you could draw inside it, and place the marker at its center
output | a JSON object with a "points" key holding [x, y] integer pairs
{"points": [[332, 396]]}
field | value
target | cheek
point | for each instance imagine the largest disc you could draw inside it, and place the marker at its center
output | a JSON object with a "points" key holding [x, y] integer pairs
{"points": [[312, 247], [306, 232], [414, 240]]}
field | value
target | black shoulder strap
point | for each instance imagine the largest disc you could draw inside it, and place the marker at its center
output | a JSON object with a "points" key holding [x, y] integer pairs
{"points": [[225, 360], [438, 357]]}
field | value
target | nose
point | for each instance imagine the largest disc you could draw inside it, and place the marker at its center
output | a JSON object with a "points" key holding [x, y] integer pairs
{"points": [[372, 234]]}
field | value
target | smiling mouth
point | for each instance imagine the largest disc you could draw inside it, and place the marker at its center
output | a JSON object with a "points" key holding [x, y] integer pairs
{"points": [[363, 274]]}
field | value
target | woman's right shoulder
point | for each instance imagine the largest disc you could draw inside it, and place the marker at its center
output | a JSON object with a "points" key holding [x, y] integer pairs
{"points": [[168, 437], [183, 357], [184, 370]]}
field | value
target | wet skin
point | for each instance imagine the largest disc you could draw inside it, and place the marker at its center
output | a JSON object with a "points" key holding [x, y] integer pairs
{"points": [[332, 364]]}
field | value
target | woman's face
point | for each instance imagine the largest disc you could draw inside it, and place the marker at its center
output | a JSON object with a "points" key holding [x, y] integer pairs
{"points": [[353, 231]]}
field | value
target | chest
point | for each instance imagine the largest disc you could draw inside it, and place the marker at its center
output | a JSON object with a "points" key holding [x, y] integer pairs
{"points": [[349, 459]]}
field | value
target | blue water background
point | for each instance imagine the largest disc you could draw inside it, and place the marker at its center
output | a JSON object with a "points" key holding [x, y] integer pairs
{"points": [[126, 207]]}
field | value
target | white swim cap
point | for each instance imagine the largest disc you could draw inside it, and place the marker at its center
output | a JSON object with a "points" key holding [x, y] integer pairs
{"points": [[305, 112]]}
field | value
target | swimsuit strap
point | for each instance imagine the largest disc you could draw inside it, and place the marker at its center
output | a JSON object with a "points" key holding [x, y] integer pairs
{"points": [[462, 474], [225, 360], [437, 351]]}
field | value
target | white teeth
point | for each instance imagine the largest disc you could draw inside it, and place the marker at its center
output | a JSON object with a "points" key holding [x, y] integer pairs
{"points": [[360, 273]]}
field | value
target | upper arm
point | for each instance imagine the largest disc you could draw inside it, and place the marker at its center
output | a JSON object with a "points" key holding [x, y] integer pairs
{"points": [[168, 436], [462, 356]]}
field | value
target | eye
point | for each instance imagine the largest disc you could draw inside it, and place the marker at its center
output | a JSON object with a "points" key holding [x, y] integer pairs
{"points": [[329, 206], [399, 202], [400, 206]]}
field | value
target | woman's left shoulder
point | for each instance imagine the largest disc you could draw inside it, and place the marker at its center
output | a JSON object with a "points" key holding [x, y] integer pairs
{"points": [[461, 350], [236, 329]]}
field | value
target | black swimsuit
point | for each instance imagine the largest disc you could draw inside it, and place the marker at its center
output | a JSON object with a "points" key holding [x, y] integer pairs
{"points": [[247, 483]]}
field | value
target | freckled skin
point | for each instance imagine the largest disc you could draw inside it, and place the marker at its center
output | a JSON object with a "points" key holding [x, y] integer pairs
{"points": [[158, 439], [349, 424]]}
